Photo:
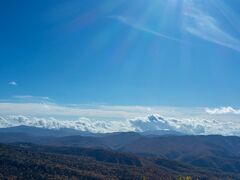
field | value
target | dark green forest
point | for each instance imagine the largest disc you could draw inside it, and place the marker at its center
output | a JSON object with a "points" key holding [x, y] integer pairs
{"points": [[28, 161]]}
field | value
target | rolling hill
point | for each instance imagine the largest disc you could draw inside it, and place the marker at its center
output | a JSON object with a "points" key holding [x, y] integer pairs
{"points": [[177, 154]]}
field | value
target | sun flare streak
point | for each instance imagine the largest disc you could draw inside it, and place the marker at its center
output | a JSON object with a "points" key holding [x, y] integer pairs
{"points": [[194, 18]]}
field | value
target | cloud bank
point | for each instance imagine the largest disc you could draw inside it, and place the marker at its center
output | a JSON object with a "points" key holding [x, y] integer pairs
{"points": [[82, 124], [223, 110], [93, 118], [151, 123]]}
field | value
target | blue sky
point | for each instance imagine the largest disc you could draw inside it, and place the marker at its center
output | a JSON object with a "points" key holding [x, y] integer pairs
{"points": [[138, 52]]}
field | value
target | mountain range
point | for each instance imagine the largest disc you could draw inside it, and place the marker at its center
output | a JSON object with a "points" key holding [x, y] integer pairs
{"points": [[178, 154]]}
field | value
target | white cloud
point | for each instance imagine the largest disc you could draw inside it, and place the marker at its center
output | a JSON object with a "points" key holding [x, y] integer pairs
{"points": [[12, 83], [82, 124], [30, 98], [141, 124], [121, 118], [189, 125], [196, 20], [51, 109], [205, 26], [223, 110], [106, 112], [142, 27]]}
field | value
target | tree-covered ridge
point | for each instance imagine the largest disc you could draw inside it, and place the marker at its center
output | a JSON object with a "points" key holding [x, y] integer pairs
{"points": [[21, 163], [28, 161]]}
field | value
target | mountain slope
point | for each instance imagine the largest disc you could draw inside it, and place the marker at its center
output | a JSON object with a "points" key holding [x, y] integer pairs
{"points": [[27, 163], [213, 152], [36, 131]]}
